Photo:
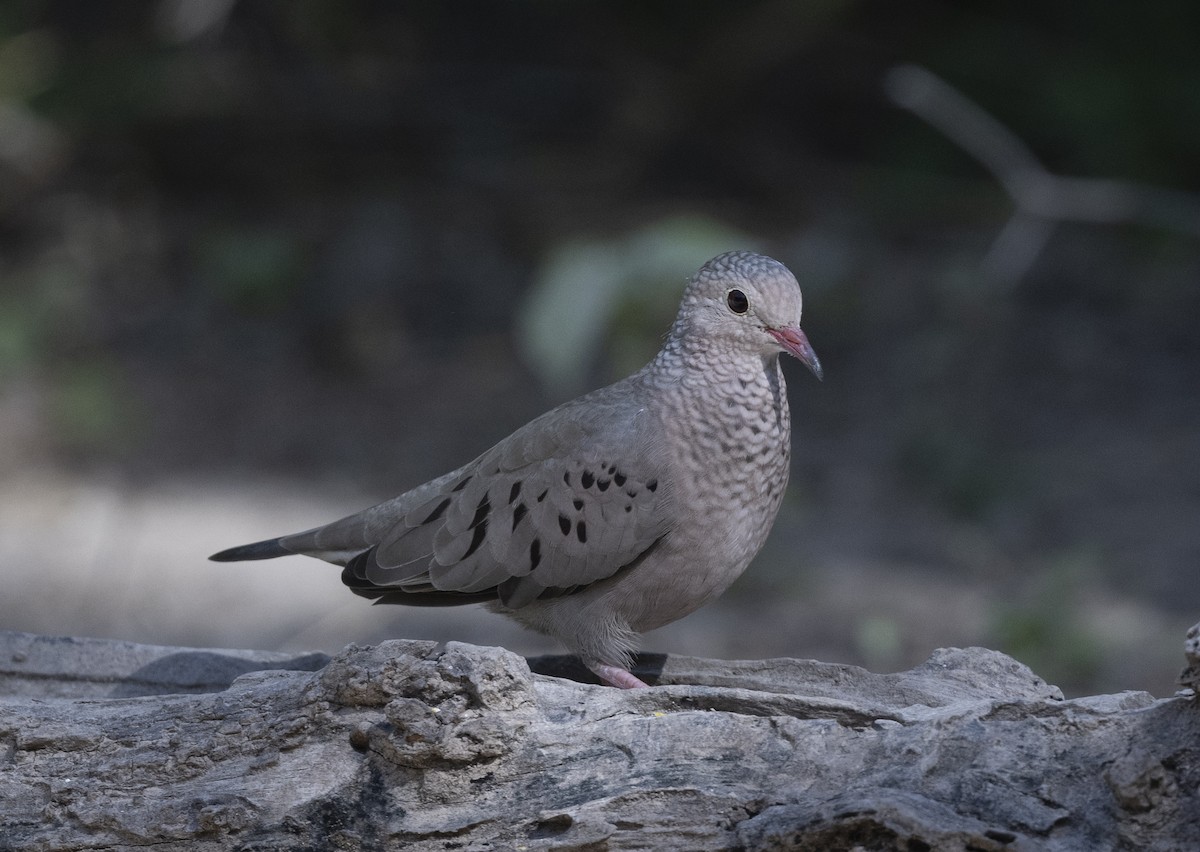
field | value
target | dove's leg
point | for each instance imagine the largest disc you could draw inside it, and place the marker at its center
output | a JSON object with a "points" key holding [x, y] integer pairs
{"points": [[619, 678], [591, 626]]}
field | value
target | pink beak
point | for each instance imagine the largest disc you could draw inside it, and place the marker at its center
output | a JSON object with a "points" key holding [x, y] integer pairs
{"points": [[794, 342]]}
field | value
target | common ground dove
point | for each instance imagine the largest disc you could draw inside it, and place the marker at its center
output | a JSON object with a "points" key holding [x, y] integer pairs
{"points": [[617, 512]]}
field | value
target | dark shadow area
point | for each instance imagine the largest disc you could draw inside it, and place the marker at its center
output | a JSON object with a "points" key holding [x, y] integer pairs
{"points": [[203, 671], [646, 666]]}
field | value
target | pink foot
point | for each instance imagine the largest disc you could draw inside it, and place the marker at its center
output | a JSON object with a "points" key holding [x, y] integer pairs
{"points": [[619, 678]]}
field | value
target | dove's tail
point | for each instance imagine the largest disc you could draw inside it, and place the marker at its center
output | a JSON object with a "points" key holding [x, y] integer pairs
{"points": [[268, 549]]}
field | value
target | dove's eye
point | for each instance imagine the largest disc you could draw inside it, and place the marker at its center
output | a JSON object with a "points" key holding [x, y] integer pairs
{"points": [[737, 301]]}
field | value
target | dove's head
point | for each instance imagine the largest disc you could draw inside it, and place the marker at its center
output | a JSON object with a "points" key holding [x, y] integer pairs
{"points": [[750, 302]]}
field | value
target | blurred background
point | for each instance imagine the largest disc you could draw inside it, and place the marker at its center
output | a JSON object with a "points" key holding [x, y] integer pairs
{"points": [[263, 264]]}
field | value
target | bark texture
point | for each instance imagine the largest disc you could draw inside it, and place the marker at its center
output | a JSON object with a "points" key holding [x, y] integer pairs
{"points": [[411, 745]]}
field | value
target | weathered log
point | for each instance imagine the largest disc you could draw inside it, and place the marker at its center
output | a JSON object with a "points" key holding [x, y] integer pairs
{"points": [[109, 745]]}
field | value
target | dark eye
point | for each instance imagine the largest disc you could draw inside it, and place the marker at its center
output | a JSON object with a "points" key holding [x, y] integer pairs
{"points": [[737, 301]]}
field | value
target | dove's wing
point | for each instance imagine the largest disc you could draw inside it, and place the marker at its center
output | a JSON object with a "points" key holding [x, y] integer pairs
{"points": [[568, 500]]}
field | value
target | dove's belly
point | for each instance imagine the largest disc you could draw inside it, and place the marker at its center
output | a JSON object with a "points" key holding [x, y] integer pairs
{"points": [[695, 563]]}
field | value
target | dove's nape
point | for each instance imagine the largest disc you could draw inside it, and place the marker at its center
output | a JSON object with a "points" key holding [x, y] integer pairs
{"points": [[614, 513]]}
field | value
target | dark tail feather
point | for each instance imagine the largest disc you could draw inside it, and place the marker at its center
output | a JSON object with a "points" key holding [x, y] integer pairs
{"points": [[268, 549]]}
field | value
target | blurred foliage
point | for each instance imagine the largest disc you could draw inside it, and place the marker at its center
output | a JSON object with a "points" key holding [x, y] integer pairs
{"points": [[955, 467], [29, 62], [18, 335], [879, 641], [623, 290], [1046, 627], [89, 408], [254, 270]]}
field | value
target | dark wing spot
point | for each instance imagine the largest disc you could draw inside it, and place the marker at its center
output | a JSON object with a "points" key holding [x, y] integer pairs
{"points": [[438, 511], [632, 492], [612, 468], [479, 524], [603, 484], [578, 505], [628, 507], [542, 496], [461, 485], [477, 538], [567, 477], [514, 492], [519, 514], [587, 479], [535, 553], [581, 532], [652, 485], [619, 478], [564, 524]]}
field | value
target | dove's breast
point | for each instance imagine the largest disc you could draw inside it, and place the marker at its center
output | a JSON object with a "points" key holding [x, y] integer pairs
{"points": [[729, 452]]}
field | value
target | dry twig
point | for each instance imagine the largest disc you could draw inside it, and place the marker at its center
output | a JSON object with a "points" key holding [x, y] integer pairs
{"points": [[1042, 199]]}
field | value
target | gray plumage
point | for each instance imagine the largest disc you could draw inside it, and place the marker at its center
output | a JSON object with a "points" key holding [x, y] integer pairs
{"points": [[614, 513]]}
